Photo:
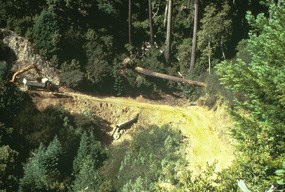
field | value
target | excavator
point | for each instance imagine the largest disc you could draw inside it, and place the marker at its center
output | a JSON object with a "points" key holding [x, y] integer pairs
{"points": [[43, 84]]}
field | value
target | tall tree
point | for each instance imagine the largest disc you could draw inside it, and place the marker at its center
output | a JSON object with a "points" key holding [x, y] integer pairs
{"points": [[8, 162], [259, 102], [150, 21], [130, 21], [216, 28], [194, 38], [42, 172], [89, 159], [167, 52], [46, 33]]}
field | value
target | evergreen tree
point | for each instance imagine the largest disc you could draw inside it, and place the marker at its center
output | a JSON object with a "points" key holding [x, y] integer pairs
{"points": [[8, 156], [98, 51], [8, 160], [89, 159], [259, 105], [215, 31], [46, 33], [12, 101], [42, 171]]}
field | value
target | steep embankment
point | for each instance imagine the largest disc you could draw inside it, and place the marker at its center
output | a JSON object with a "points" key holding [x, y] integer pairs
{"points": [[204, 129], [26, 55]]}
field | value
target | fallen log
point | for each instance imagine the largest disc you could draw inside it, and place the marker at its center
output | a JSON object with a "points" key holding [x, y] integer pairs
{"points": [[169, 77], [120, 128]]}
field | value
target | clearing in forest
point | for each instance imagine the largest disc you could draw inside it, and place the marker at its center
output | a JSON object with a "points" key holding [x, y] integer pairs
{"points": [[205, 130]]}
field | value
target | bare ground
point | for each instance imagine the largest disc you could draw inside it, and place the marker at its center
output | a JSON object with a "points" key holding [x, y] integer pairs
{"points": [[206, 131]]}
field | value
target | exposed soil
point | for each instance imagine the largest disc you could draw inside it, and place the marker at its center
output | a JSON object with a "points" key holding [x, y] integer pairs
{"points": [[205, 130]]}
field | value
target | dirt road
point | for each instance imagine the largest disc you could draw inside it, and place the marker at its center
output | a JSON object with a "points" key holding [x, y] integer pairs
{"points": [[205, 130]]}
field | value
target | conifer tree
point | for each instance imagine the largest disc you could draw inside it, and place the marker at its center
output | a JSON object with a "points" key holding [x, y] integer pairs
{"points": [[259, 102], [8, 160], [42, 171], [46, 33], [215, 31], [89, 159]]}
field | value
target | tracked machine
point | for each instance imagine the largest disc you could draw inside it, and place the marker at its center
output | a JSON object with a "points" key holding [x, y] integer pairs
{"points": [[44, 84], [40, 84]]}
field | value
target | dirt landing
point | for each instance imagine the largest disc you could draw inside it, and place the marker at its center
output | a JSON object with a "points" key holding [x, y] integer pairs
{"points": [[205, 130]]}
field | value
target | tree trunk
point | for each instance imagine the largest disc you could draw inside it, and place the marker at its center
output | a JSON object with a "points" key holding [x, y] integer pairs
{"points": [[130, 22], [150, 22], [168, 33], [194, 39], [223, 51], [165, 15], [169, 77], [209, 57]]}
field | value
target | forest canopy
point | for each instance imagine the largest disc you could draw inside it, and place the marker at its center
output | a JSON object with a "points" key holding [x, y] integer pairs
{"points": [[236, 47]]}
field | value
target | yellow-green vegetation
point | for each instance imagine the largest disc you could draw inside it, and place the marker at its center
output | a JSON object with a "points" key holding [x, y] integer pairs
{"points": [[205, 130]]}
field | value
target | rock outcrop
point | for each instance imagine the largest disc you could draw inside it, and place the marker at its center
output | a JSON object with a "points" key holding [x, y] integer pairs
{"points": [[26, 55]]}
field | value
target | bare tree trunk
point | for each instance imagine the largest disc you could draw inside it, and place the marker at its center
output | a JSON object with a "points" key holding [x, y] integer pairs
{"points": [[130, 22], [223, 51], [194, 39], [165, 15], [168, 33], [209, 57], [150, 22], [169, 77]]}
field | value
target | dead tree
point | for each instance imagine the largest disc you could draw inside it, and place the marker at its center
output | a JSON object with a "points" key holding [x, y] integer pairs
{"points": [[150, 22], [167, 52], [130, 21], [169, 77], [194, 39]]}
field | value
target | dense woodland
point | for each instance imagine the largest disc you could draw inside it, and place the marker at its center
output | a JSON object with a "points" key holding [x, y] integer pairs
{"points": [[236, 47]]}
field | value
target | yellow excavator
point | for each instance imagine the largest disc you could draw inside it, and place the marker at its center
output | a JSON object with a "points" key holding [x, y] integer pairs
{"points": [[41, 83]]}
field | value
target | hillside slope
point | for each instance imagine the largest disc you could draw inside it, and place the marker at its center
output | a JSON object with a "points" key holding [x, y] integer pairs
{"points": [[205, 130]]}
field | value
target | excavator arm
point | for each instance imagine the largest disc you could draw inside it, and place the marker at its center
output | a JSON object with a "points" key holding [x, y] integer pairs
{"points": [[27, 68]]}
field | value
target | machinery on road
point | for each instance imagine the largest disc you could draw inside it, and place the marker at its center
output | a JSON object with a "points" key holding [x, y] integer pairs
{"points": [[45, 84], [40, 84]]}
